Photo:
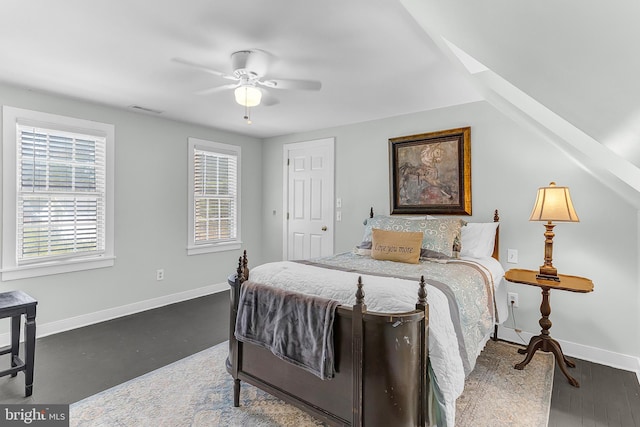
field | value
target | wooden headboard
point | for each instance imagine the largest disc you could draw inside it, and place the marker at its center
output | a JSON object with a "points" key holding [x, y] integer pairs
{"points": [[496, 243]]}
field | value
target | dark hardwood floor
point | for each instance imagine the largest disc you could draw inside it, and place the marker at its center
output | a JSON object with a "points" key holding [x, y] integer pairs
{"points": [[76, 364], [606, 397]]}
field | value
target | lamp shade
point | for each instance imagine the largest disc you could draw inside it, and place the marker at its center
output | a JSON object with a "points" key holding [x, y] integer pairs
{"points": [[554, 204], [248, 95]]}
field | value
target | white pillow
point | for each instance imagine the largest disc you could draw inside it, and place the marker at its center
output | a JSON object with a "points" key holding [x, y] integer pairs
{"points": [[478, 239]]}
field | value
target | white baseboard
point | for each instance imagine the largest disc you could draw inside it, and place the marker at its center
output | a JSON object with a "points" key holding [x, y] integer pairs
{"points": [[584, 352], [42, 330]]}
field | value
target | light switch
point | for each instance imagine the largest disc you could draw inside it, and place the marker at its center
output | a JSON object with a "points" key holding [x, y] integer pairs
{"points": [[338, 202], [512, 256]]}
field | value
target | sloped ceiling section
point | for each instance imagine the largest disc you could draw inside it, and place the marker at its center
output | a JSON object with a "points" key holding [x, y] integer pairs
{"points": [[565, 68]]}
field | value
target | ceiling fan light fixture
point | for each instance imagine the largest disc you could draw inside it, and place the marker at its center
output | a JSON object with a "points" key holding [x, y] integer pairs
{"points": [[248, 95]]}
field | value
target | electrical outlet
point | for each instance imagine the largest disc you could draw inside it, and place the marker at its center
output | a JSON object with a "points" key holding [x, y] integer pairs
{"points": [[513, 299], [160, 274], [512, 256]]}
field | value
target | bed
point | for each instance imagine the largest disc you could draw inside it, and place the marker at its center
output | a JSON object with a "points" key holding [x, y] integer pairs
{"points": [[398, 360]]}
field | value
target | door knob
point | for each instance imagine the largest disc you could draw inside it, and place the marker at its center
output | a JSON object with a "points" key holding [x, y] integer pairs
{"points": [[324, 228]]}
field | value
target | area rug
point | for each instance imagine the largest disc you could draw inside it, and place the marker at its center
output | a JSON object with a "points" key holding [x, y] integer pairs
{"points": [[496, 394], [197, 392]]}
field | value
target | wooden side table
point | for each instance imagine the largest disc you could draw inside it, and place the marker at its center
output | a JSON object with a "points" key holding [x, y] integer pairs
{"points": [[544, 341]]}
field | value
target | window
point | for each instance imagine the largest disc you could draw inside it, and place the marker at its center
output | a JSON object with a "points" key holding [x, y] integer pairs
{"points": [[57, 194], [214, 197]]}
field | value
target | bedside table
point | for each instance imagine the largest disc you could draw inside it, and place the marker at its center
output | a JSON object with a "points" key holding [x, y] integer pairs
{"points": [[544, 341]]}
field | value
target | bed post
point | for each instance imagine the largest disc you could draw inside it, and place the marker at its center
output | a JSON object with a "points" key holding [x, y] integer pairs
{"points": [[245, 265], [358, 363], [235, 346], [422, 305], [496, 244], [496, 255]]}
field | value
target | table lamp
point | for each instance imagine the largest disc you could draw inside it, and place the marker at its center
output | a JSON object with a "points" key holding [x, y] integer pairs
{"points": [[552, 204]]}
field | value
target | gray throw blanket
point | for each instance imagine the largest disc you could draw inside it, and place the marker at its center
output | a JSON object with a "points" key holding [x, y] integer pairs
{"points": [[297, 328]]}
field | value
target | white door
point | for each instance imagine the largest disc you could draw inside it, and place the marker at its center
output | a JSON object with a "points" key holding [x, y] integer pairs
{"points": [[308, 199]]}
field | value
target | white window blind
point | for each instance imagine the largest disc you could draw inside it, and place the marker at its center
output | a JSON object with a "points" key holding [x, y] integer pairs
{"points": [[215, 196], [61, 194]]}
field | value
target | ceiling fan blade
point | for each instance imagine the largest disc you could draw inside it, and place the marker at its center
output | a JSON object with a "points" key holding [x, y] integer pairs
{"points": [[203, 68], [292, 84], [217, 89]]}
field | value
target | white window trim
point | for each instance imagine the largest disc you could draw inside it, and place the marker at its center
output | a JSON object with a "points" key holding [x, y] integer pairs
{"points": [[192, 247], [10, 270]]}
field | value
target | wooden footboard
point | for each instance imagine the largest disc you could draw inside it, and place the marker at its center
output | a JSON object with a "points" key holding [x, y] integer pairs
{"points": [[381, 365]]}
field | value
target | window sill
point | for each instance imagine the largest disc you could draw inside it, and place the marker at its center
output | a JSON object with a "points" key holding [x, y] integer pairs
{"points": [[58, 267], [220, 247]]}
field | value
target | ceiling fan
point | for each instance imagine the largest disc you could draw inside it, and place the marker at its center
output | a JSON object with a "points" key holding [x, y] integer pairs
{"points": [[249, 70]]}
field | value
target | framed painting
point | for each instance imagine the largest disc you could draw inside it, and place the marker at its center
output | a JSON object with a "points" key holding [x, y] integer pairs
{"points": [[431, 173]]}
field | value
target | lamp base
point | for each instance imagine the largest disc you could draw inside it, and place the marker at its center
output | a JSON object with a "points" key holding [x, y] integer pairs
{"points": [[550, 277]]}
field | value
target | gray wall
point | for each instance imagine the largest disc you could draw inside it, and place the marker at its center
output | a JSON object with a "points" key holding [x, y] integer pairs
{"points": [[150, 213], [509, 163]]}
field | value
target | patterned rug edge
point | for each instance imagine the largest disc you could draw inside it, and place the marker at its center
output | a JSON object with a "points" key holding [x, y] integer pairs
{"points": [[197, 391]]}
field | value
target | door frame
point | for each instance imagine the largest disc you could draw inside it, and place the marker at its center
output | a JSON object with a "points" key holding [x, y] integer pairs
{"points": [[286, 148]]}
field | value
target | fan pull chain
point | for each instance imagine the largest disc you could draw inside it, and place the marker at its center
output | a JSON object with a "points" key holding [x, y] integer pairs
{"points": [[247, 115]]}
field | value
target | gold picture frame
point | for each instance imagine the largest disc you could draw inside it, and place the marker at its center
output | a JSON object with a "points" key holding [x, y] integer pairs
{"points": [[431, 173]]}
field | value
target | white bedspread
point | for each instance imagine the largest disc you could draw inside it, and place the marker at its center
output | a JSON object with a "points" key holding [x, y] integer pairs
{"points": [[500, 288], [386, 294]]}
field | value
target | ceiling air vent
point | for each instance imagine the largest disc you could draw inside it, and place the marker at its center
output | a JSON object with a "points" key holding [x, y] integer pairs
{"points": [[144, 109]]}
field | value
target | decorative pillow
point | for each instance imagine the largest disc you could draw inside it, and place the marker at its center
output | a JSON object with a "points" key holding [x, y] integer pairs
{"points": [[478, 239], [441, 236], [401, 246], [392, 223]]}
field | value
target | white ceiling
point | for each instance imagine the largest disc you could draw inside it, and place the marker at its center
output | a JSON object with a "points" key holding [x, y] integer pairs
{"points": [[576, 59], [372, 58]]}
